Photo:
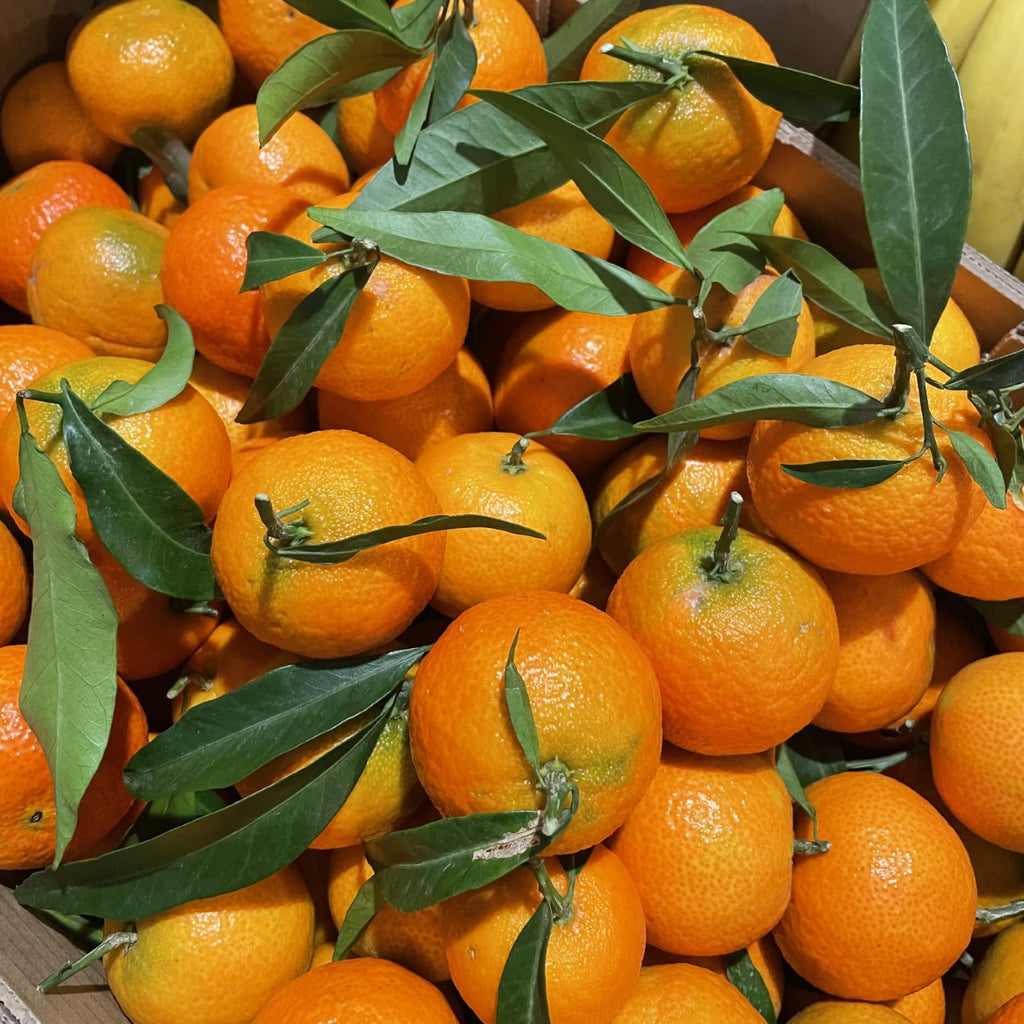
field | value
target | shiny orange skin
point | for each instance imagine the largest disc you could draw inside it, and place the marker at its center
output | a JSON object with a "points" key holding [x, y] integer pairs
{"points": [[926, 1006], [26, 351], [509, 51], [659, 347], [184, 437], [702, 634], [554, 360], [833, 1011], [415, 940], [41, 119], [203, 265], [890, 907], [150, 63], [364, 989], [31, 201], [898, 524], [216, 960], [608, 734], [694, 493], [886, 649], [700, 141], [95, 275], [996, 978], [563, 216], [592, 961], [14, 596], [405, 326], [457, 401], [976, 748], [27, 809], [364, 140], [685, 994], [299, 156], [709, 846], [354, 484], [470, 473]]}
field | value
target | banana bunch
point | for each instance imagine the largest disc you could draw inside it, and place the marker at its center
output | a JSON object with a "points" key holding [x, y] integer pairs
{"points": [[983, 38]]}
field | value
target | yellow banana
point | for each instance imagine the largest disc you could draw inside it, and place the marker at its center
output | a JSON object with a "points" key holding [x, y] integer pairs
{"points": [[959, 21], [992, 82]]}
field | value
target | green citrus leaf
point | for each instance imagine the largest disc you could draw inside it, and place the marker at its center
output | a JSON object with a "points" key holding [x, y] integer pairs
{"points": [[1006, 372], [981, 464], [914, 158], [416, 21], [419, 867], [301, 347], [169, 812], [522, 988], [813, 401], [218, 742], [450, 73], [828, 283], [479, 160], [269, 257], [742, 973], [848, 473], [325, 69], [606, 415], [608, 183], [771, 325], [146, 520], [477, 247], [166, 380], [1009, 449], [70, 679], [519, 711], [341, 14], [1008, 615], [796, 774], [569, 44], [217, 853], [336, 551], [798, 94], [361, 911], [719, 250]]}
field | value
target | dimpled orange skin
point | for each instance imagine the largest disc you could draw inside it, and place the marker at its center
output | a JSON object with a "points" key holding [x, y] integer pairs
{"points": [[184, 437], [14, 596], [215, 960], [405, 326], [354, 484], [834, 1012], [700, 141], [1011, 1012], [977, 748], [26, 351], [695, 493], [595, 703], [469, 475], [363, 989], [996, 978], [592, 961], [710, 847], [898, 524], [685, 994], [701, 634], [886, 649], [659, 347], [890, 907]]}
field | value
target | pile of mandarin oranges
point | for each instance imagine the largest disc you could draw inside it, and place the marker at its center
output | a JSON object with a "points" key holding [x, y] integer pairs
{"points": [[669, 648]]}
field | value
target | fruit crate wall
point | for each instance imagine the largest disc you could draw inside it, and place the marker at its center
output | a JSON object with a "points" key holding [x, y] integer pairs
{"points": [[819, 185]]}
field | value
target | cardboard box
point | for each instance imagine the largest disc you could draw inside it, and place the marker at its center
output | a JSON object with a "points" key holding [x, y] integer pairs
{"points": [[821, 188]]}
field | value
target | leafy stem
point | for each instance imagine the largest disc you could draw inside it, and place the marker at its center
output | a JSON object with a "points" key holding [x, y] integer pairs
{"points": [[113, 941], [717, 564], [512, 463], [675, 73], [561, 906], [281, 534], [562, 797]]}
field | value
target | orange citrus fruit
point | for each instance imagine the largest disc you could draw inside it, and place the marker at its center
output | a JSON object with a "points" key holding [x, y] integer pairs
{"points": [[890, 906], [1011, 1012], [489, 474], [31, 201], [27, 810], [156, 201], [710, 847], [364, 140], [835, 1011], [707, 136], [353, 484], [685, 994], [703, 626], [41, 119], [96, 276], [592, 959], [300, 156], [14, 598], [899, 524], [26, 351], [594, 700], [172, 971], [996, 978], [150, 64]]}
